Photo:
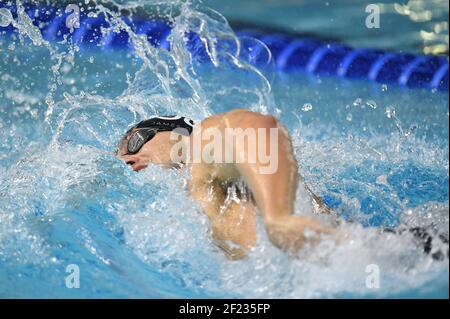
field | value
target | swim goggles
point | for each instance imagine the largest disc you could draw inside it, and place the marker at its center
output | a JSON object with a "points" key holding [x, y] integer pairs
{"points": [[145, 130], [138, 139]]}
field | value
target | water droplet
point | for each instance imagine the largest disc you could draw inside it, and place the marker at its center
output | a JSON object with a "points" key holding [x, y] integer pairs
{"points": [[384, 88], [5, 17], [357, 102], [390, 112], [349, 117], [307, 107], [278, 112], [372, 104], [411, 130]]}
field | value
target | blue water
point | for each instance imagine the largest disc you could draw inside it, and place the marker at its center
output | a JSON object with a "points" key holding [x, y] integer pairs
{"points": [[378, 154], [409, 26]]}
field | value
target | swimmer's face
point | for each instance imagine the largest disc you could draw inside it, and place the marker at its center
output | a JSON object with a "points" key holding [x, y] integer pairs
{"points": [[156, 151]]}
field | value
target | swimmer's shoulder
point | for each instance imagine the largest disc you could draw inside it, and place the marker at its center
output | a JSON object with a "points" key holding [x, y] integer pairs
{"points": [[212, 121], [246, 118], [236, 116]]}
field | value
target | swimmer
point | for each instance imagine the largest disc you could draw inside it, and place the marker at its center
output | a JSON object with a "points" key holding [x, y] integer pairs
{"points": [[174, 142]]}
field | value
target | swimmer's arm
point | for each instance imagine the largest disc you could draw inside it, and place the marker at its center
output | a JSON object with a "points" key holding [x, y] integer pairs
{"points": [[274, 192], [206, 191], [211, 197]]}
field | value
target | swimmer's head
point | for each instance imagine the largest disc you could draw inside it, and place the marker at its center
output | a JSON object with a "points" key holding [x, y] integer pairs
{"points": [[151, 141]]}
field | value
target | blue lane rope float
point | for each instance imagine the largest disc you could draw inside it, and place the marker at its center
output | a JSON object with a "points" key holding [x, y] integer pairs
{"points": [[291, 53]]}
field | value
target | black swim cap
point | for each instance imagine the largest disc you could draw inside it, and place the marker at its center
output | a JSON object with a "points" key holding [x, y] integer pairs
{"points": [[145, 130], [166, 123]]}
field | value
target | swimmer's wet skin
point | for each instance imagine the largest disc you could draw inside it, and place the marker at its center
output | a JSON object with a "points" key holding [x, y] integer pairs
{"points": [[234, 224]]}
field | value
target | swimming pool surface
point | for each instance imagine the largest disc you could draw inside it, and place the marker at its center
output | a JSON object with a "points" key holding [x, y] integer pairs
{"points": [[377, 153]]}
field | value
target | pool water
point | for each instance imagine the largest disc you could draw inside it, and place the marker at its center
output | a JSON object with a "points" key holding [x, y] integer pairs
{"points": [[416, 26], [378, 154]]}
